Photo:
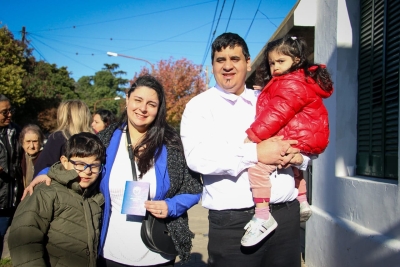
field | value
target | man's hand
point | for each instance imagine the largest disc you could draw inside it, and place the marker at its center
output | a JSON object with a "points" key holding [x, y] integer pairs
{"points": [[276, 151], [39, 179], [294, 161]]}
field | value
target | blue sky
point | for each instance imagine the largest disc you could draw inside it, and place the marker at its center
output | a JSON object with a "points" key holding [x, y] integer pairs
{"points": [[78, 34]]}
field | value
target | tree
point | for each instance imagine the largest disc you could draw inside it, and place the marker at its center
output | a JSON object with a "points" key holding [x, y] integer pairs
{"points": [[112, 68], [11, 67], [45, 86], [182, 80], [32, 86], [104, 84]]}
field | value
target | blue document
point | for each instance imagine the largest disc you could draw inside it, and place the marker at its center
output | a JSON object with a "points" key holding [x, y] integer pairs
{"points": [[136, 193]]}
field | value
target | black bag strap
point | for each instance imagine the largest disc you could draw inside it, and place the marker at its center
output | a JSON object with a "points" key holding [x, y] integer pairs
{"points": [[131, 155]]}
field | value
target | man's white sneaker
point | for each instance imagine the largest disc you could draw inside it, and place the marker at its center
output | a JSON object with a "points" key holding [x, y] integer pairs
{"points": [[305, 211], [257, 229]]}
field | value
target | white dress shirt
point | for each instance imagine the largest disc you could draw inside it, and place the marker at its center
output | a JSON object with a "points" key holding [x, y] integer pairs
{"points": [[213, 132]]}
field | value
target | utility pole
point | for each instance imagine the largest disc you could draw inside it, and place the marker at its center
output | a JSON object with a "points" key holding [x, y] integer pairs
{"points": [[206, 77], [23, 34]]}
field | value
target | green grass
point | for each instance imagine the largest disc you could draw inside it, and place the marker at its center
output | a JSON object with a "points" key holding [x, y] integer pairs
{"points": [[5, 263]]}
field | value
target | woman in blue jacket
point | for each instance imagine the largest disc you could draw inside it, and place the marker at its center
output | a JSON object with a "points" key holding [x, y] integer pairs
{"points": [[160, 161]]}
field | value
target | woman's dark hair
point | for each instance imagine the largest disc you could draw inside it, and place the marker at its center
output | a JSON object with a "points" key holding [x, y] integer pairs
{"points": [[294, 47], [106, 116], [158, 133], [85, 145]]}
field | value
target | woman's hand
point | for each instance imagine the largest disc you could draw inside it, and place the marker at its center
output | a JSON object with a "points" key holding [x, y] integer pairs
{"points": [[38, 179], [158, 208]]}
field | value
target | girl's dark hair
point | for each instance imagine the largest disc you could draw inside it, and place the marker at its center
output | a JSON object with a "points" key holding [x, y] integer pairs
{"points": [[294, 47], [106, 116], [85, 145], [158, 133]]}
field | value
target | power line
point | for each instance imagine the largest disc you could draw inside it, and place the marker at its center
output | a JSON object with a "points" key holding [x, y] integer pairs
{"points": [[216, 27], [130, 49], [37, 50], [63, 54], [255, 14], [141, 15], [268, 19], [63, 42], [230, 15], [169, 37], [209, 36]]}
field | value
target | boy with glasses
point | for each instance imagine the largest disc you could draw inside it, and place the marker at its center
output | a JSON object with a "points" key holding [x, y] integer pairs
{"points": [[59, 224]]}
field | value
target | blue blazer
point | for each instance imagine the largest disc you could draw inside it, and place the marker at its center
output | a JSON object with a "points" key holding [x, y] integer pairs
{"points": [[177, 205]]}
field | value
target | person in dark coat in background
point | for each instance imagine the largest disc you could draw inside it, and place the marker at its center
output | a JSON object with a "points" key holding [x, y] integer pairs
{"points": [[10, 166]]}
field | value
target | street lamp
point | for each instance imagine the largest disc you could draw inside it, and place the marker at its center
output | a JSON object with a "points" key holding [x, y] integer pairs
{"points": [[103, 99], [113, 54]]}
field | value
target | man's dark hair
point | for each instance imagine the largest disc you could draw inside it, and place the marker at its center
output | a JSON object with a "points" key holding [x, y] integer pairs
{"points": [[83, 145], [230, 40]]}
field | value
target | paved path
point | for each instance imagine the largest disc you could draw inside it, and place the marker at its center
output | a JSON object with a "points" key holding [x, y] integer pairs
{"points": [[198, 223]]}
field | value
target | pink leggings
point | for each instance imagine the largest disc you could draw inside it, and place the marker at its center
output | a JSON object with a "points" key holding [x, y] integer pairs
{"points": [[260, 183]]}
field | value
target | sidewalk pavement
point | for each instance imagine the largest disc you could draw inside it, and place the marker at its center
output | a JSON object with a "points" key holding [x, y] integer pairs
{"points": [[198, 223]]}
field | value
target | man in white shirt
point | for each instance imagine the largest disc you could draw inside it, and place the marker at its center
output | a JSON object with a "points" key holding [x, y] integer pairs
{"points": [[213, 132]]}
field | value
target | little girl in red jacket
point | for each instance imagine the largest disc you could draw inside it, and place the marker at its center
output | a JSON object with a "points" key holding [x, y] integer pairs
{"points": [[290, 105]]}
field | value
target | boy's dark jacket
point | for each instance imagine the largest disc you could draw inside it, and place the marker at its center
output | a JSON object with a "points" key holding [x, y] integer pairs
{"points": [[59, 225]]}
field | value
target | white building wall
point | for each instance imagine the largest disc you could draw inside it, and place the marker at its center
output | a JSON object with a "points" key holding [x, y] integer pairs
{"points": [[356, 220]]}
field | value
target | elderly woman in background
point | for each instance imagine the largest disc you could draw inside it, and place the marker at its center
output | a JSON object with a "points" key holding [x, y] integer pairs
{"points": [[32, 141]]}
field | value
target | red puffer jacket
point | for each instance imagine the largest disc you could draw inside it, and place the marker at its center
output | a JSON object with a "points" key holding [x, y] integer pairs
{"points": [[291, 106]]}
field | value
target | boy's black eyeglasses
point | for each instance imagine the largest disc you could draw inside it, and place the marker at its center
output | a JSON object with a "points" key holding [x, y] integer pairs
{"points": [[7, 111], [81, 166]]}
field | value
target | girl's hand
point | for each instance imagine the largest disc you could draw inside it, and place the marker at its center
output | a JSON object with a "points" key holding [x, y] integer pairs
{"points": [[158, 208], [247, 140], [38, 179]]}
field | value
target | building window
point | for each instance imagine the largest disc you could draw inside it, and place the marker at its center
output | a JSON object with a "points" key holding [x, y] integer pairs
{"points": [[378, 89]]}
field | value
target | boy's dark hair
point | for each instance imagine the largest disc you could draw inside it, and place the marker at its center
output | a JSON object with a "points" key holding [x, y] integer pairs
{"points": [[230, 40], [85, 145], [294, 47]]}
